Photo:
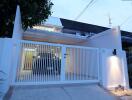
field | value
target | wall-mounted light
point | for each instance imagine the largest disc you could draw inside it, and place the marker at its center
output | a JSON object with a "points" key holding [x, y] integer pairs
{"points": [[38, 56], [114, 52]]}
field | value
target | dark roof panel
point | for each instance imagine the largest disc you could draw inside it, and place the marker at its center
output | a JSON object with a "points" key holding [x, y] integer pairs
{"points": [[74, 25], [79, 26], [125, 33]]}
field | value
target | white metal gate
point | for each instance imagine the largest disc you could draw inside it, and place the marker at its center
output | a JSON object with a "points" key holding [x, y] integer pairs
{"points": [[42, 63]]}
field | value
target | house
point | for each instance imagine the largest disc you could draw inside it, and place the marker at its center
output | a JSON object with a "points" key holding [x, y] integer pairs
{"points": [[61, 51]]}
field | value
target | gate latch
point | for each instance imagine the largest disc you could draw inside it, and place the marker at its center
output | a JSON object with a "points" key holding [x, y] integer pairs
{"points": [[65, 55]]}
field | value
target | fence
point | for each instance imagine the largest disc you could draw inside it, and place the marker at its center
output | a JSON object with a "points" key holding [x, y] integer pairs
{"points": [[43, 63]]}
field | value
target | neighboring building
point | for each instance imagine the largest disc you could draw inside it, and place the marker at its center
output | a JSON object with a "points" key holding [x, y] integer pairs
{"points": [[61, 51]]}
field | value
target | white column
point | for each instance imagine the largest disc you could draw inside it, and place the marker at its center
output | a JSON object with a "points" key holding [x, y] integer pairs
{"points": [[17, 30]]}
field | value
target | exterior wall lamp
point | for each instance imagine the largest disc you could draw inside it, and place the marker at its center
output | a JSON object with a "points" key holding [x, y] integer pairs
{"points": [[114, 52]]}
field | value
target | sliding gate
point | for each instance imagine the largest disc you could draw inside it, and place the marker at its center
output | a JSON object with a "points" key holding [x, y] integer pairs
{"points": [[43, 63]]}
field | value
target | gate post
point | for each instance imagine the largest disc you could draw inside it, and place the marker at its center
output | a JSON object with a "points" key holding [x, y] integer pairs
{"points": [[63, 63]]}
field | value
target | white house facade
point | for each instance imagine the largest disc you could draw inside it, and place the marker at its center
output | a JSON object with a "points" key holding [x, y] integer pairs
{"points": [[48, 54]]}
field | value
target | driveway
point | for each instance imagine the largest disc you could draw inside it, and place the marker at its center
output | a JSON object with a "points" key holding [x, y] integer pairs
{"points": [[72, 92]]}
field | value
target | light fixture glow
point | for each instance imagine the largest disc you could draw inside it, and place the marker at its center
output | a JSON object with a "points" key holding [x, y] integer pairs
{"points": [[115, 76], [29, 49]]}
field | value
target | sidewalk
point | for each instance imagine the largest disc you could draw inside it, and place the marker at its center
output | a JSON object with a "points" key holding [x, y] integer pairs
{"points": [[74, 92]]}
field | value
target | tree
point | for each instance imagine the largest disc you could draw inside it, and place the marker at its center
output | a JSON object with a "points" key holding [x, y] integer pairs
{"points": [[32, 13]]}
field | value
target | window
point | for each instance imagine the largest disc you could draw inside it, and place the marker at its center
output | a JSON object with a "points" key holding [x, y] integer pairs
{"points": [[46, 28]]}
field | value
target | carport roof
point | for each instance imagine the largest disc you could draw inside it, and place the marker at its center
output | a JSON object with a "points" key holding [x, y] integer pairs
{"points": [[79, 26]]}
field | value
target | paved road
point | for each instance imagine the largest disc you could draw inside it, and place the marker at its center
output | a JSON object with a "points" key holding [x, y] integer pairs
{"points": [[74, 92]]}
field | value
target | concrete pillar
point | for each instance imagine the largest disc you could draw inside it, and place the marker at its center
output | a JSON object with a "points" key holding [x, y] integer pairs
{"points": [[17, 30]]}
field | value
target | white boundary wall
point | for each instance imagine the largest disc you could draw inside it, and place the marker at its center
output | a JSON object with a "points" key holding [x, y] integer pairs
{"points": [[110, 39], [113, 69], [5, 62]]}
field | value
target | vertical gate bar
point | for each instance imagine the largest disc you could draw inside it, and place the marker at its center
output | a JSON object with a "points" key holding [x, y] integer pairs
{"points": [[54, 62], [83, 75], [41, 58], [79, 63], [27, 61], [90, 54], [50, 69], [67, 64], [71, 63], [30, 74], [60, 53], [22, 65], [48, 62], [69, 73], [39, 67], [98, 67], [63, 63], [36, 65], [85, 60], [47, 75], [42, 63], [75, 66], [57, 63], [53, 51], [49, 47], [87, 65], [29, 54], [25, 64], [94, 54], [91, 67], [46, 51], [52, 56], [58, 68], [23, 46]]}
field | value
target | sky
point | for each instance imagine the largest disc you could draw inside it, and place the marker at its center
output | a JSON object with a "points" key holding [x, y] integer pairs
{"points": [[120, 12]]}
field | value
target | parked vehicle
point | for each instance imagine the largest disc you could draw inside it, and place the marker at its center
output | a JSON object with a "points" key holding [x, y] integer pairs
{"points": [[47, 64]]}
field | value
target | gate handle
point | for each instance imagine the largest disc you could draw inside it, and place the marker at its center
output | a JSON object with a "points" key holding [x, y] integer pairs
{"points": [[65, 55]]}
